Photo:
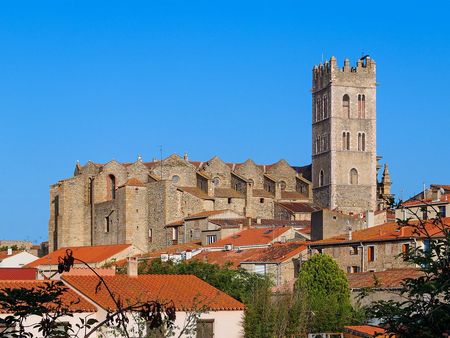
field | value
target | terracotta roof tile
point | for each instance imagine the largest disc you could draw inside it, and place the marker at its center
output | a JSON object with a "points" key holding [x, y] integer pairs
{"points": [[277, 253], [387, 279], [71, 300], [444, 199], [229, 222], [89, 254], [4, 254], [134, 182], [186, 291], [232, 257], [387, 231], [18, 273], [367, 330], [293, 195], [253, 236]]}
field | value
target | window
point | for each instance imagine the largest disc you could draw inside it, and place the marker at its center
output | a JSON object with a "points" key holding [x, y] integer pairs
{"points": [[107, 223], [355, 269], [229, 200], [112, 186], [442, 212], [321, 176], [175, 179], [252, 183], [354, 250], [283, 185], [260, 269], [346, 140], [405, 248], [361, 141], [346, 106], [205, 328], [371, 253], [175, 235], [261, 200], [361, 106], [353, 176], [150, 235], [216, 181], [319, 114], [325, 107], [211, 239], [424, 213]]}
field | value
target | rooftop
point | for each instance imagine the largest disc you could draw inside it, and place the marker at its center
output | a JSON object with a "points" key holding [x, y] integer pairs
{"points": [[392, 278], [70, 299], [366, 330], [186, 291], [89, 254]]}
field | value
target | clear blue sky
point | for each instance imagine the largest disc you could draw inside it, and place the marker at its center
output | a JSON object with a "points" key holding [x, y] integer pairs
{"points": [[101, 80]]}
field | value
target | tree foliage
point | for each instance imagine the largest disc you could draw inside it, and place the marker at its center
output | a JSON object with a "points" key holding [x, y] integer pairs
{"points": [[425, 308], [324, 287]]}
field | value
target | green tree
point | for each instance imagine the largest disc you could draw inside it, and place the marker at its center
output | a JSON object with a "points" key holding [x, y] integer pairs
{"points": [[325, 290], [425, 308]]}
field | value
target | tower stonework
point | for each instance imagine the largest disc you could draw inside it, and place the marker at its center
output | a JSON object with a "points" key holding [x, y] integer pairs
{"points": [[344, 135]]}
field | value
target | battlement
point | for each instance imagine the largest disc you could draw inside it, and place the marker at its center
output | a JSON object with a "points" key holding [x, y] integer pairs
{"points": [[329, 71]]}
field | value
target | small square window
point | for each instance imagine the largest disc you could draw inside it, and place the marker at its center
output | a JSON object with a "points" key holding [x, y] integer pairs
{"points": [[261, 200]]}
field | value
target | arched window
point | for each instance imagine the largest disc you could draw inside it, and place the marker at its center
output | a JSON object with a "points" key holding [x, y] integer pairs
{"points": [[283, 185], [353, 176], [112, 186], [325, 107], [359, 141], [346, 140], [175, 179], [361, 106], [216, 181], [321, 175], [346, 106], [363, 142]]}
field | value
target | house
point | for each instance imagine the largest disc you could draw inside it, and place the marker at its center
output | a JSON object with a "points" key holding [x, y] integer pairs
{"points": [[219, 314], [96, 256], [366, 331], [427, 204], [375, 248], [280, 261], [299, 211], [15, 259], [78, 306], [385, 285], [254, 238]]}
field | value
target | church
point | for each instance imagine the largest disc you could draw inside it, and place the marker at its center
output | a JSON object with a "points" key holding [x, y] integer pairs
{"points": [[146, 203]]}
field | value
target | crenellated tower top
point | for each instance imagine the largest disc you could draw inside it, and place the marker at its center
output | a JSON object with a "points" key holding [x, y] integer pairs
{"points": [[325, 73]]}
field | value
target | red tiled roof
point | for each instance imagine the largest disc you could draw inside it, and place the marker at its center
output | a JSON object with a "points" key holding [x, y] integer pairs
{"points": [[443, 199], [278, 253], [70, 299], [89, 254], [186, 291], [18, 274], [134, 182], [387, 231], [232, 257], [368, 330], [391, 278], [298, 206], [4, 254], [252, 236], [229, 222]]}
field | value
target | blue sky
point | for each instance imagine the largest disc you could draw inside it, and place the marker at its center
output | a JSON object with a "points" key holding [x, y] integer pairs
{"points": [[101, 80]]}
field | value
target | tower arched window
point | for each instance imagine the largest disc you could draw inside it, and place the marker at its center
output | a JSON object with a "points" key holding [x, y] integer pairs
{"points": [[346, 106], [361, 141], [325, 107], [361, 106], [346, 140], [321, 178], [112, 186], [353, 176]]}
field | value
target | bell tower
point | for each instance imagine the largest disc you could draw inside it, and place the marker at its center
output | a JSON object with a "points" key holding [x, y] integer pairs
{"points": [[344, 135]]}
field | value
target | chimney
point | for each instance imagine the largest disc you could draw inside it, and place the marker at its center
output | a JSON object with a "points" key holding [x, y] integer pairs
{"points": [[185, 157], [349, 234], [370, 218], [9, 251], [132, 267]]}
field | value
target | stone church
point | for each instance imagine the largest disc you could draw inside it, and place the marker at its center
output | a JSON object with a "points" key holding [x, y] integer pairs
{"points": [[137, 202]]}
